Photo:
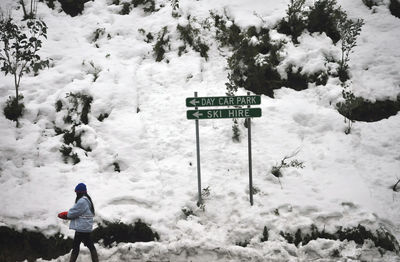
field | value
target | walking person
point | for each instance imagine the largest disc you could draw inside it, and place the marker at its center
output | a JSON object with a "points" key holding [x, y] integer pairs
{"points": [[81, 216]]}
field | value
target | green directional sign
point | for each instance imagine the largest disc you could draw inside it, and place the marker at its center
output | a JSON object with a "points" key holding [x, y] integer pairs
{"points": [[223, 113], [223, 101]]}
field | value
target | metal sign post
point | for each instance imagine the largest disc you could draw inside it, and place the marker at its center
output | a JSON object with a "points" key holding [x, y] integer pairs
{"points": [[198, 159], [221, 114], [250, 160]]}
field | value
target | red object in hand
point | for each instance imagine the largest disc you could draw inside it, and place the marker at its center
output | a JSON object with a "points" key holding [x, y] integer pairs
{"points": [[63, 215]]}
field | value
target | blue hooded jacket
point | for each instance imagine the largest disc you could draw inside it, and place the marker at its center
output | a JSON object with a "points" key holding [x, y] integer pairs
{"points": [[81, 216]]}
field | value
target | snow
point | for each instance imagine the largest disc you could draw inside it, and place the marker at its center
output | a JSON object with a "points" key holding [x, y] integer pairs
{"points": [[346, 179]]}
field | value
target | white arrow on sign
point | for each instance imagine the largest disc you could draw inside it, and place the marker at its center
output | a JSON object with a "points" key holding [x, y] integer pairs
{"points": [[197, 114], [194, 102]]}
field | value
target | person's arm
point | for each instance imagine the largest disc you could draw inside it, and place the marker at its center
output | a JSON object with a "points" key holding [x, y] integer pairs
{"points": [[78, 209]]}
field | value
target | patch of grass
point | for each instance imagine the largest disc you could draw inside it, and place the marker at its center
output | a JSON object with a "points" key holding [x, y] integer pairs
{"points": [[381, 238], [359, 109], [394, 8], [29, 245], [117, 232]]}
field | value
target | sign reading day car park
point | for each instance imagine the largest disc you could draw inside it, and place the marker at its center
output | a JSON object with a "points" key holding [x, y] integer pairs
{"points": [[223, 101]]}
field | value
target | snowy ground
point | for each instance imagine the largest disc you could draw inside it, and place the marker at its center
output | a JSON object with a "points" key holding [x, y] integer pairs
{"points": [[346, 180]]}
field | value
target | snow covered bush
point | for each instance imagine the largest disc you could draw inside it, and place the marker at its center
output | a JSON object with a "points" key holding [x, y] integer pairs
{"points": [[253, 63], [324, 16], [295, 22], [19, 46], [175, 8], [76, 110], [92, 69], [191, 36], [227, 33], [149, 6], [126, 8], [161, 44], [395, 8], [347, 107], [73, 7]]}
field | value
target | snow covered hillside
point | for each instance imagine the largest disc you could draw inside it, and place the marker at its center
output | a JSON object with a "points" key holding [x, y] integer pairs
{"points": [[138, 152]]}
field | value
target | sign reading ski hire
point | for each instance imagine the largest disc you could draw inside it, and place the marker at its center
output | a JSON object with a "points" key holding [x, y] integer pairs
{"points": [[223, 101], [223, 113]]}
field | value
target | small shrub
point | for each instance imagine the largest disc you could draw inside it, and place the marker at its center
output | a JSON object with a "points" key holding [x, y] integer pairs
{"points": [[58, 105], [79, 107], [126, 8], [394, 8], [205, 193], [294, 24], [14, 108], [116, 167], [103, 116], [235, 131], [149, 36], [121, 233], [175, 8], [73, 8], [187, 212], [149, 6], [276, 170], [265, 235], [348, 31], [68, 155], [244, 243], [347, 107], [97, 34], [324, 16], [161, 44], [93, 70]]}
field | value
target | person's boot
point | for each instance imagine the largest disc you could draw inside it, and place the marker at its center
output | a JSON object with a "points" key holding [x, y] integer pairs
{"points": [[74, 257], [93, 254]]}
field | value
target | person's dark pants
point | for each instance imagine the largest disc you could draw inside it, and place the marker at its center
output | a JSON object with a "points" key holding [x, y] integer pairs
{"points": [[86, 239]]}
